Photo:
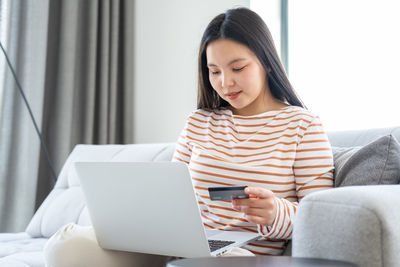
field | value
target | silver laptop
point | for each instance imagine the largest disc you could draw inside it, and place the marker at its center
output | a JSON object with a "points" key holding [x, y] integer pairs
{"points": [[150, 207]]}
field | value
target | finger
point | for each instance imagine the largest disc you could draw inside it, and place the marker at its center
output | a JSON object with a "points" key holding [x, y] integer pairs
{"points": [[259, 192], [264, 203], [264, 219], [248, 202], [257, 219], [258, 212], [249, 210]]}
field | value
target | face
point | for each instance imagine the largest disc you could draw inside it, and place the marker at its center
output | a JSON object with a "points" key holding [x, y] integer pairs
{"points": [[237, 76]]}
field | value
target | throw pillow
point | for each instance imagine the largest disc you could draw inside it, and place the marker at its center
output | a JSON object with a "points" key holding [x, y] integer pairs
{"points": [[375, 163]]}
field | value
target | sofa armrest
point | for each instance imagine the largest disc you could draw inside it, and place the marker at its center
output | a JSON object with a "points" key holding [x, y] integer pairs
{"points": [[358, 224]]}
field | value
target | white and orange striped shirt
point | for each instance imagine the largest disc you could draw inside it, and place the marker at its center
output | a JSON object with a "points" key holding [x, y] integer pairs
{"points": [[285, 151]]}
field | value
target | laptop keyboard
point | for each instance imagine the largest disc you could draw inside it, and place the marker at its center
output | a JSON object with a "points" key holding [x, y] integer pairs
{"points": [[217, 244]]}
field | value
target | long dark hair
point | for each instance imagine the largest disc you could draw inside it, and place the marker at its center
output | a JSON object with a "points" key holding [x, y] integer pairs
{"points": [[246, 27]]}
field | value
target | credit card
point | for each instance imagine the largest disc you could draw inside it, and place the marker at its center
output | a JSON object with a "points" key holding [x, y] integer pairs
{"points": [[227, 192]]}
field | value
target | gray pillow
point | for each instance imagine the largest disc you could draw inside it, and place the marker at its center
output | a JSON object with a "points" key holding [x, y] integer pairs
{"points": [[375, 163]]}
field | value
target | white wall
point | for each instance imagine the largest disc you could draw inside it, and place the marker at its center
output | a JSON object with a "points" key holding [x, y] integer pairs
{"points": [[166, 39]]}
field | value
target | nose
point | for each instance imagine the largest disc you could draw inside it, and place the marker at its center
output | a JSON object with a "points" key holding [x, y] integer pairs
{"points": [[227, 81]]}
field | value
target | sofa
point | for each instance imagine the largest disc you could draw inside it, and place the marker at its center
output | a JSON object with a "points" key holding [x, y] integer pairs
{"points": [[356, 223], [358, 220]]}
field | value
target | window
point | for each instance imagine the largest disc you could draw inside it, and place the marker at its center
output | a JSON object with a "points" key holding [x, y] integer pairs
{"points": [[270, 13], [344, 60]]}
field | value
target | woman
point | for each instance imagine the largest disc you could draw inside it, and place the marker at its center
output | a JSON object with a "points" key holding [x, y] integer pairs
{"points": [[250, 129]]}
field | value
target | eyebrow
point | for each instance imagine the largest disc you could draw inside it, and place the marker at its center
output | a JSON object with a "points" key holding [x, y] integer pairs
{"points": [[230, 63]]}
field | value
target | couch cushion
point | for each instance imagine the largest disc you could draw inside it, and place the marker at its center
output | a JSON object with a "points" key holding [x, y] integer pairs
{"points": [[360, 137], [23, 259], [20, 249], [375, 163], [6, 262]]}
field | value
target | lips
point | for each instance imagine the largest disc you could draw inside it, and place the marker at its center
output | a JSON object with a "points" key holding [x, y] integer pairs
{"points": [[233, 95]]}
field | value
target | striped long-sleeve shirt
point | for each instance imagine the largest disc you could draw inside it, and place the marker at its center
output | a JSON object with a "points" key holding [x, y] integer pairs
{"points": [[285, 151]]}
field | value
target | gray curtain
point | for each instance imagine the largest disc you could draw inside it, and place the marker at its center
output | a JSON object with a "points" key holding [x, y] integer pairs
{"points": [[85, 94], [19, 145]]}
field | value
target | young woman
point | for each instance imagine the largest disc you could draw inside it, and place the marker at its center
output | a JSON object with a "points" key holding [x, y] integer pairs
{"points": [[250, 129]]}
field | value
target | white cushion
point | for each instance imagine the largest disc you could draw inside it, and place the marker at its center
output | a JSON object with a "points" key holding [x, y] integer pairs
{"points": [[23, 259], [20, 249]]}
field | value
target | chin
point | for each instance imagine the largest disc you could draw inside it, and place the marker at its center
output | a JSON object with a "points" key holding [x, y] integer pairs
{"points": [[238, 107]]}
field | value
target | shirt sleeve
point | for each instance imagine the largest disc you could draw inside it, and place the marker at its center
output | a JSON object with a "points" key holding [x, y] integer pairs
{"points": [[183, 149], [313, 166], [313, 171]]}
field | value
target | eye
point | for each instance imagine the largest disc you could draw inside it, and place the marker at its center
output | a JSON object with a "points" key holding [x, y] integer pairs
{"points": [[214, 72], [238, 69]]}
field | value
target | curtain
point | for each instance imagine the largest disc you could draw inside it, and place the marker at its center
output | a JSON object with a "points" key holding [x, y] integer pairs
{"points": [[83, 65]]}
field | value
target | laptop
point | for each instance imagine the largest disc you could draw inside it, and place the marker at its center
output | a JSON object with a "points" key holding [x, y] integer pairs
{"points": [[150, 207]]}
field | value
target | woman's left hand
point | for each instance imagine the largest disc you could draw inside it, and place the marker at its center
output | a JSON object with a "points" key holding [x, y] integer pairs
{"points": [[260, 208]]}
